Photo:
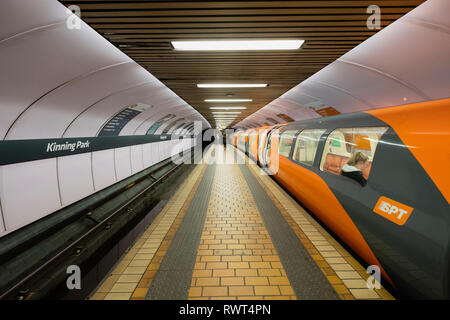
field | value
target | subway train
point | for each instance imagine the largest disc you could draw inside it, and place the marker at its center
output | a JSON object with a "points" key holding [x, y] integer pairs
{"points": [[399, 220]]}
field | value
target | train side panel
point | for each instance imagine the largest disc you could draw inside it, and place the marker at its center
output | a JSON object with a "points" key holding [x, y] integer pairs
{"points": [[425, 127], [414, 252]]}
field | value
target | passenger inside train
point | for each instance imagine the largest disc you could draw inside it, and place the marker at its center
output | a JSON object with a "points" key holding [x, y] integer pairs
{"points": [[344, 143], [354, 167]]}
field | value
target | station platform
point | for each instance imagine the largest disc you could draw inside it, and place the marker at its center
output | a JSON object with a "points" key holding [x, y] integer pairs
{"points": [[229, 232]]}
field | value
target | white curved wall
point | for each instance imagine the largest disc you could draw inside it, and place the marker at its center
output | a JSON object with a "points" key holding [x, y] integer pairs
{"points": [[61, 83], [407, 62]]}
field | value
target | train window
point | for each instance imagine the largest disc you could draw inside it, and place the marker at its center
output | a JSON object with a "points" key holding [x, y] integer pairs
{"points": [[252, 140], [241, 141], [306, 146], [342, 143], [286, 140]]}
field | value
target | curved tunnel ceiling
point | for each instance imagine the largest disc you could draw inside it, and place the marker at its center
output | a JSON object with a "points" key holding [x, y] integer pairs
{"points": [[143, 30], [407, 62], [59, 82], [93, 80]]}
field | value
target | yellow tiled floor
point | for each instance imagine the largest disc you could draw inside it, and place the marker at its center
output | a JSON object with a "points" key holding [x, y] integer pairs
{"points": [[236, 258]]}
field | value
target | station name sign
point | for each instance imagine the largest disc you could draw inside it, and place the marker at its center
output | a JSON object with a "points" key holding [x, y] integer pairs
{"points": [[16, 151], [55, 146]]}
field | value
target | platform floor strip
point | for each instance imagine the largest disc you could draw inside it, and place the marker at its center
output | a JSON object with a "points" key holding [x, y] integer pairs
{"points": [[172, 276], [347, 276], [307, 280], [132, 275], [236, 258]]}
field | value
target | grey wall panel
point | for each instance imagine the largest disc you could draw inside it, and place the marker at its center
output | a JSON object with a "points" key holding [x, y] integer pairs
{"points": [[414, 54], [341, 100], [368, 87], [178, 147], [295, 101], [75, 177], [40, 13], [35, 65], [122, 160], [158, 150], [170, 145], [65, 104], [163, 105], [163, 151], [171, 106], [173, 147], [29, 191], [166, 150], [184, 112], [103, 169], [169, 149], [154, 152], [137, 163], [147, 154], [94, 118], [433, 11], [173, 122]]}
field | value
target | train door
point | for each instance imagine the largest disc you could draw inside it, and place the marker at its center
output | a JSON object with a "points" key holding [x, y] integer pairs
{"points": [[261, 144], [266, 149], [273, 161], [254, 145], [246, 142], [270, 155]]}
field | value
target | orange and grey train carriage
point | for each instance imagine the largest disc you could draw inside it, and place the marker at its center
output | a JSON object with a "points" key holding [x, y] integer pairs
{"points": [[400, 219]]}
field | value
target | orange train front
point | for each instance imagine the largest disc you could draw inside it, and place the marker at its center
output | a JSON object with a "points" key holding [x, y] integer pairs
{"points": [[400, 220]]}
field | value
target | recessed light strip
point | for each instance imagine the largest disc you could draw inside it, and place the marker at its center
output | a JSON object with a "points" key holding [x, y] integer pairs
{"points": [[223, 118], [228, 108], [232, 85], [228, 100], [230, 45], [226, 112]]}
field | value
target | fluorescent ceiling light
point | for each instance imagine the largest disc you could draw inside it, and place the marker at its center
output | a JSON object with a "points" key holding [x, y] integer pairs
{"points": [[227, 108], [230, 45], [226, 112], [224, 118], [228, 100], [232, 85]]}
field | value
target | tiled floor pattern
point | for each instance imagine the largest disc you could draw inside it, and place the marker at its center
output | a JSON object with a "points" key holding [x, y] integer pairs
{"points": [[345, 274], [236, 258], [132, 277]]}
